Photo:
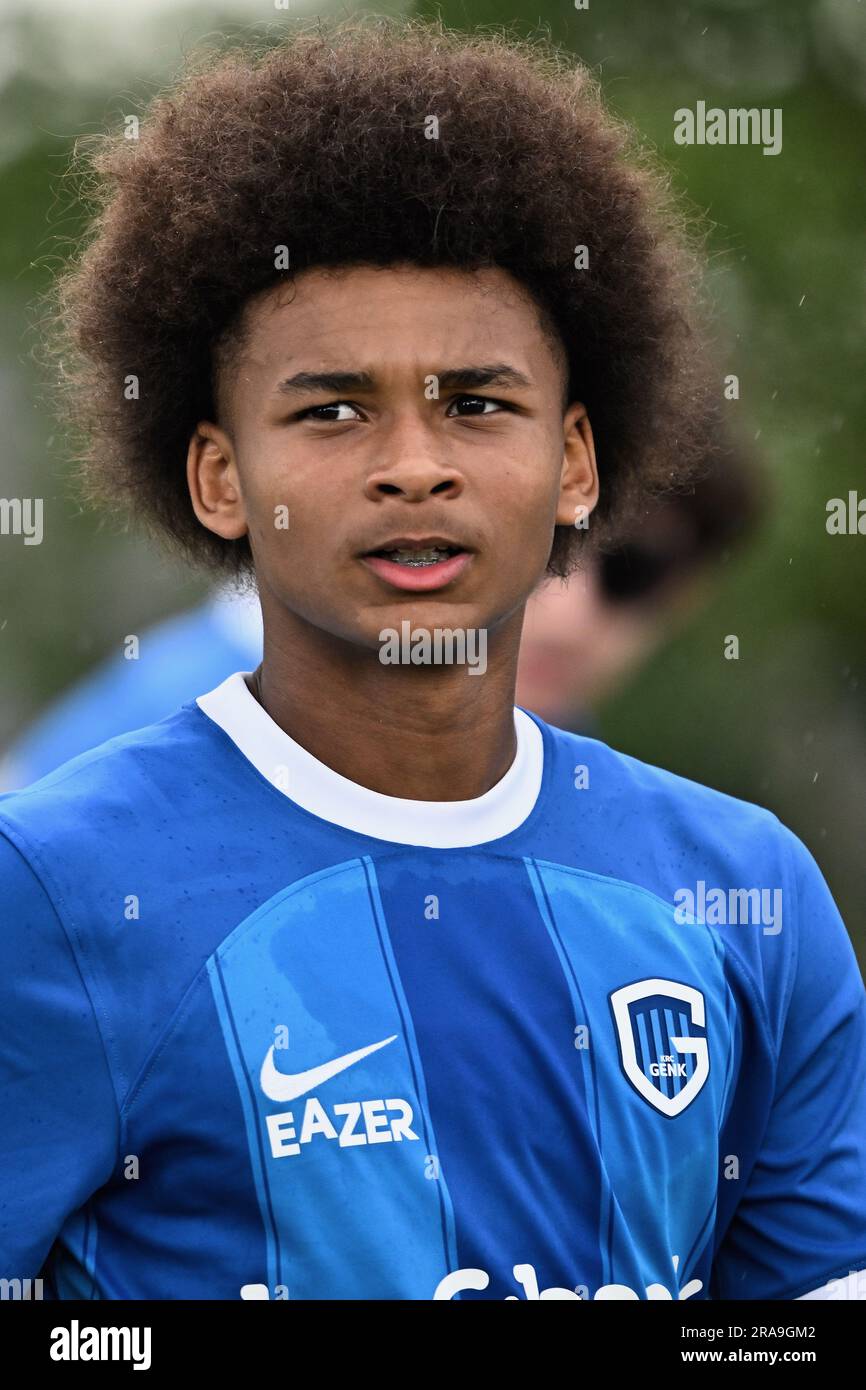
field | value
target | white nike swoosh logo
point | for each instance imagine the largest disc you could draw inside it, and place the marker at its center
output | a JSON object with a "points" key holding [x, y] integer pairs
{"points": [[278, 1085]]}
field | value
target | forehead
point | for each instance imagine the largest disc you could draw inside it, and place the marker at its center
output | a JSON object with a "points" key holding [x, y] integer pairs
{"points": [[398, 313]]}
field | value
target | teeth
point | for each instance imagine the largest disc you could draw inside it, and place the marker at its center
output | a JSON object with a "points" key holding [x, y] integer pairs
{"points": [[432, 556]]}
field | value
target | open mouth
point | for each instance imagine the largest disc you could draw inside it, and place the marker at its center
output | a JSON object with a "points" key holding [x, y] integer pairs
{"points": [[418, 567], [418, 559]]}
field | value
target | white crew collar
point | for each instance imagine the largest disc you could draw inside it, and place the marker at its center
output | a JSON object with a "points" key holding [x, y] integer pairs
{"points": [[325, 793]]}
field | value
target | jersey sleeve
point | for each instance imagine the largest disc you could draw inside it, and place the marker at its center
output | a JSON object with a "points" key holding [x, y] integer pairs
{"points": [[59, 1122], [802, 1219]]}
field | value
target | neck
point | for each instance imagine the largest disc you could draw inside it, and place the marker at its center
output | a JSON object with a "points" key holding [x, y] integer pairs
{"points": [[423, 733]]}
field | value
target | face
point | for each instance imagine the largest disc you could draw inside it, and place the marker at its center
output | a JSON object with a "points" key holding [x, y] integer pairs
{"points": [[577, 648], [583, 640], [382, 410]]}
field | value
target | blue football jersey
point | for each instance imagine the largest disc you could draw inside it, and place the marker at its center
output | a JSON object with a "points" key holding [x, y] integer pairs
{"points": [[598, 1033]]}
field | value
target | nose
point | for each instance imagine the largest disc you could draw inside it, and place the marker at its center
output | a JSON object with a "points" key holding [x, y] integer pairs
{"points": [[412, 464]]}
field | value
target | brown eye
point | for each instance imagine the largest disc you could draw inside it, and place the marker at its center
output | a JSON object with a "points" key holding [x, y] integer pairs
{"points": [[482, 401], [312, 411]]}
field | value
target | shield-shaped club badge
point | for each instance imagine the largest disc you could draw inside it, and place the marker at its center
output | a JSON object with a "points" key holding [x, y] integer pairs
{"points": [[661, 1030]]}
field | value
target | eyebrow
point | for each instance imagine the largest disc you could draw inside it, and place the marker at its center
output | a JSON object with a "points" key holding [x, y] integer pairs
{"points": [[454, 378]]}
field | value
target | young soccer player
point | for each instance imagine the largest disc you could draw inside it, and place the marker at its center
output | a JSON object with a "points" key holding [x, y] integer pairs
{"points": [[350, 979]]}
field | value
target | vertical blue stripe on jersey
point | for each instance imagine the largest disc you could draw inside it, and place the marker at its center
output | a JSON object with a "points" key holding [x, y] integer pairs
{"points": [[246, 1091], [90, 1241], [705, 1239], [73, 1259], [445, 1205], [360, 1220], [605, 1214], [615, 934], [495, 1022]]}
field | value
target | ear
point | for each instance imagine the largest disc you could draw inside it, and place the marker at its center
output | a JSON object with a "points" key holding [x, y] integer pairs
{"points": [[212, 478], [578, 493]]}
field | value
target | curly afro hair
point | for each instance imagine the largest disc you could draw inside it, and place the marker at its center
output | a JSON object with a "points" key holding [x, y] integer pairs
{"points": [[318, 143]]}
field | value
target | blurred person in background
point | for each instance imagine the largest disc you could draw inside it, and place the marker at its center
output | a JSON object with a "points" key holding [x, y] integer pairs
{"points": [[585, 637], [221, 635]]}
